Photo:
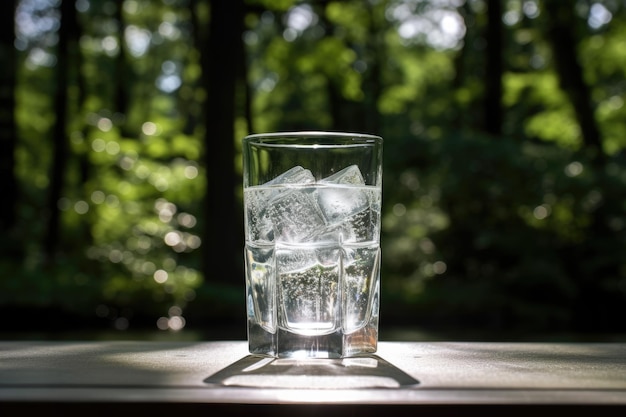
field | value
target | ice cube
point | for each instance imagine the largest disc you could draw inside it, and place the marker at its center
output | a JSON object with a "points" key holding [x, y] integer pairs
{"points": [[290, 259], [338, 203], [295, 175], [346, 207], [349, 175], [352, 229], [295, 215], [258, 223], [258, 202]]}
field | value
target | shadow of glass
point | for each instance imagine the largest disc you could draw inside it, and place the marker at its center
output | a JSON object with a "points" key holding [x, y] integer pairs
{"points": [[348, 373]]}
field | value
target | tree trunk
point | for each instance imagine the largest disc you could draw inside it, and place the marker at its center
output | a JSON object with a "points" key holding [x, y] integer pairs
{"points": [[122, 72], [85, 167], [561, 24], [372, 80], [460, 68], [599, 306], [358, 116], [220, 60], [493, 70], [60, 149], [8, 128]]}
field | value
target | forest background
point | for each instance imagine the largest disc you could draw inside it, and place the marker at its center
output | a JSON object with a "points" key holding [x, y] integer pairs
{"points": [[504, 123]]}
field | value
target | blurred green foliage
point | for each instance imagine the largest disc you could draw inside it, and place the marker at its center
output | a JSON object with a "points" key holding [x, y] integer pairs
{"points": [[525, 229]]}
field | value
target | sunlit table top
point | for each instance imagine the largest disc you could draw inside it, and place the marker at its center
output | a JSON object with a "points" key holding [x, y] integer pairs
{"points": [[436, 376]]}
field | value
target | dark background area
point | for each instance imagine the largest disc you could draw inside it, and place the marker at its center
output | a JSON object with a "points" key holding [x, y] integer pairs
{"points": [[504, 212]]}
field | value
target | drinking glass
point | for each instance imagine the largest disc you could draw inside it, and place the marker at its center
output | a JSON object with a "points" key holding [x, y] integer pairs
{"points": [[312, 204]]}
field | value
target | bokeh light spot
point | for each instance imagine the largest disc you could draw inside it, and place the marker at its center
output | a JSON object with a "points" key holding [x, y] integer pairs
{"points": [[542, 211], [112, 148], [149, 128], [399, 210], [574, 169], [81, 207], [439, 267], [172, 238], [98, 197], [121, 323], [186, 219], [160, 276], [105, 124], [116, 256], [98, 145], [190, 172], [163, 323], [193, 241], [176, 323]]}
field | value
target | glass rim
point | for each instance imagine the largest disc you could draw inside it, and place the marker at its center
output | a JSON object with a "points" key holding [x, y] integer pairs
{"points": [[312, 134]]}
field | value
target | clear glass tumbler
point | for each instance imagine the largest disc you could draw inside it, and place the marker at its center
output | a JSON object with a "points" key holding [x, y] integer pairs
{"points": [[312, 243]]}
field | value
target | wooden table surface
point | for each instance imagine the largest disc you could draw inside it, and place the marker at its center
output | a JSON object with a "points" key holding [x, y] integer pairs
{"points": [[433, 378]]}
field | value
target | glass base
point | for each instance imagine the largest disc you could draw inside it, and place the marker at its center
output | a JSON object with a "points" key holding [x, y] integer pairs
{"points": [[284, 344]]}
